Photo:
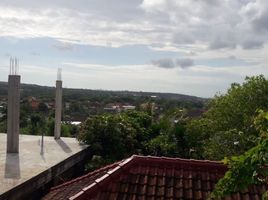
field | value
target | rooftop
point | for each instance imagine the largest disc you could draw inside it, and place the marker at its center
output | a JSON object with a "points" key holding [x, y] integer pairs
{"points": [[146, 177], [15, 169]]}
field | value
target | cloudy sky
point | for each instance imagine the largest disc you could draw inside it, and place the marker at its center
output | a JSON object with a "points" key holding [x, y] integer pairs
{"points": [[195, 47]]}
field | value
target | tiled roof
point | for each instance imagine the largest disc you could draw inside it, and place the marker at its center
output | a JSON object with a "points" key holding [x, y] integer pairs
{"points": [[72, 187], [146, 177]]}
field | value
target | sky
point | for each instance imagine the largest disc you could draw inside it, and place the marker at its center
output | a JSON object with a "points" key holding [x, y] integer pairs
{"points": [[194, 47]]}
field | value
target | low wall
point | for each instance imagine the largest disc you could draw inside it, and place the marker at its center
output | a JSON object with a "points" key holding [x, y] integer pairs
{"points": [[39, 185]]}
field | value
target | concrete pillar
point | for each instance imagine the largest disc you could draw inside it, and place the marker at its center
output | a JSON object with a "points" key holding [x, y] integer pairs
{"points": [[13, 114], [58, 109]]}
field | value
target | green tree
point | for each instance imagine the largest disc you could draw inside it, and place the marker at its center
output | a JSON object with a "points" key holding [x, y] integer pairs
{"points": [[114, 137], [169, 137], [3, 119], [248, 168], [37, 124], [50, 126], [229, 116]]}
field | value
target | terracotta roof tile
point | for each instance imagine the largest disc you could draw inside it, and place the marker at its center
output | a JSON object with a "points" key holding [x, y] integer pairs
{"points": [[140, 177]]}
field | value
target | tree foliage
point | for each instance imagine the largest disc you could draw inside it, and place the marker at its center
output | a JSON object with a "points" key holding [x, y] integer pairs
{"points": [[114, 137], [228, 122], [248, 168], [169, 136]]}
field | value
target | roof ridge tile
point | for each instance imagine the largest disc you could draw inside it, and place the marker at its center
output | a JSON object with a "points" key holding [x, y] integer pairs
{"points": [[107, 167], [106, 176]]}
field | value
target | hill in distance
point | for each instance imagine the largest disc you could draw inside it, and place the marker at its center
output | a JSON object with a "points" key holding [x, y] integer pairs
{"points": [[83, 94]]}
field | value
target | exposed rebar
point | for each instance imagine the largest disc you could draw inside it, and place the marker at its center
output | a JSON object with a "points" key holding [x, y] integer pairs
{"points": [[59, 74], [13, 66]]}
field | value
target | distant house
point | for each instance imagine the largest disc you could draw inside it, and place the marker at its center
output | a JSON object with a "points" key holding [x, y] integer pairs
{"points": [[110, 110], [146, 177], [118, 107], [113, 107], [76, 123], [33, 102], [129, 107]]}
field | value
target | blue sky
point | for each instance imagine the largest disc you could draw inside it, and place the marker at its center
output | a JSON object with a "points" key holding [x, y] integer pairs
{"points": [[189, 46]]}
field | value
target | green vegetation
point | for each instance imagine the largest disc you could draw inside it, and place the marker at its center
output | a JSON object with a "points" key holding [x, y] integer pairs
{"points": [[226, 129], [114, 137], [37, 106], [234, 128], [248, 168], [3, 119]]}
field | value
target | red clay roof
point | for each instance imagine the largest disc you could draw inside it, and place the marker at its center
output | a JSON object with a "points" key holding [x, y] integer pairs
{"points": [[146, 177]]}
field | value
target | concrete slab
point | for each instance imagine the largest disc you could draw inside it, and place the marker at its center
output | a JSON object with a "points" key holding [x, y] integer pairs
{"points": [[15, 169]]}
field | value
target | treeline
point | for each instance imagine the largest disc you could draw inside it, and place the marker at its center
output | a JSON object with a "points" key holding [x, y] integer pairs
{"points": [[98, 95]]}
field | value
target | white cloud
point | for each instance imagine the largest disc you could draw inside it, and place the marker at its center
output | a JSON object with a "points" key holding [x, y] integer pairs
{"points": [[198, 29], [217, 24], [169, 63]]}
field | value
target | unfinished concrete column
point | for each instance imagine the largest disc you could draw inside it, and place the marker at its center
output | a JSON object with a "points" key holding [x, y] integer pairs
{"points": [[58, 106], [13, 113]]}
